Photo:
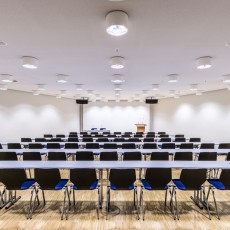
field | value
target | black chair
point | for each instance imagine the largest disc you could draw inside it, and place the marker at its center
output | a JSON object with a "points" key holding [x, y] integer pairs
{"points": [[84, 156], [122, 179], [134, 139], [117, 133], [194, 139], [94, 133], [207, 146], [109, 156], [14, 146], [148, 139], [150, 146], [40, 140], [179, 135], [73, 139], [138, 135], [32, 156], [156, 179], [53, 146], [165, 139], [8, 156], [56, 156], [84, 179], [35, 146], [98, 135], [150, 136], [110, 146], [119, 139], [87, 135], [223, 183], [83, 133], [186, 146], [151, 133], [73, 133], [159, 156], [48, 179], [183, 156], [87, 139], [56, 139], [111, 135], [92, 146], [48, 135], [192, 179], [168, 146], [132, 156], [126, 135], [129, 133], [180, 139], [103, 139], [228, 157], [0, 146], [163, 135], [224, 146], [128, 146], [71, 146], [207, 156], [73, 136], [159, 133], [26, 139], [60, 135]]}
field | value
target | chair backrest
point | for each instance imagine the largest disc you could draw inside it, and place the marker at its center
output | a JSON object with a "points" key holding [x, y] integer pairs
{"points": [[224, 178], [183, 156], [165, 139], [0, 146], [103, 139], [138, 135], [228, 157], [73, 135], [122, 178], [119, 139], [92, 146], [55, 139], [132, 156], [108, 156], [150, 136], [87, 139], [35, 146], [149, 139], [168, 146], [117, 133], [71, 146], [84, 156], [193, 178], [56, 156], [195, 139], [14, 146], [48, 135], [13, 178], [86, 135], [134, 139], [159, 133], [150, 146], [186, 146], [83, 179], [207, 146], [163, 135], [73, 139], [40, 139], [83, 133], [53, 146], [8, 156], [60, 135], [126, 135], [111, 135], [224, 146], [47, 178], [151, 133], [128, 146], [207, 156], [110, 146], [26, 139], [159, 156], [180, 139], [158, 178], [98, 135], [179, 135], [32, 156]]}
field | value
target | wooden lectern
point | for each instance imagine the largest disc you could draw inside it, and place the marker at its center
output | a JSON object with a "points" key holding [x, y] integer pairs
{"points": [[140, 127]]}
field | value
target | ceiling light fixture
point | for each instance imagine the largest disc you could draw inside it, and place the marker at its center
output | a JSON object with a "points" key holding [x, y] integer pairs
{"points": [[199, 93], [63, 92], [7, 78], [41, 87], [155, 87], [58, 96], [36, 92], [117, 87], [117, 62], [90, 92], [176, 96], [226, 78], [3, 87], [172, 78], [117, 92], [116, 23], [144, 92], [171, 92], [204, 62], [118, 79], [193, 87], [62, 78], [78, 86], [30, 62]]}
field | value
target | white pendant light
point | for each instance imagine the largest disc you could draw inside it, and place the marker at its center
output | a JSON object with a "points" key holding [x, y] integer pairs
{"points": [[193, 87], [226, 78], [6, 78], [172, 78], [118, 79], [3, 87], [62, 78], [204, 62], [30, 62], [155, 87], [117, 62], [116, 23]]}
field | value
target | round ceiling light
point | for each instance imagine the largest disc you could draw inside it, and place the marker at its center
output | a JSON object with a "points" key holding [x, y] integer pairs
{"points": [[193, 87], [3, 87], [226, 78], [117, 62], [118, 79], [117, 87], [36, 92], [62, 78], [30, 62], [155, 87], [7, 78], [78, 86], [204, 62], [172, 78], [41, 87], [116, 23]]}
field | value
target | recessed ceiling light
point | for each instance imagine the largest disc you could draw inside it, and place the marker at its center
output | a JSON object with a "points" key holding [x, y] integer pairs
{"points": [[36, 92], [155, 87], [226, 78], [3, 43], [7, 78], [3, 87], [172, 78], [78, 86], [30, 62], [62, 78], [116, 23], [41, 87], [193, 87], [90, 92], [117, 62], [204, 62], [117, 78], [63, 92]]}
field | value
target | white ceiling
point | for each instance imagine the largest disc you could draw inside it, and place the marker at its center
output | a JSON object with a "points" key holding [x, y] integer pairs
{"points": [[68, 37]]}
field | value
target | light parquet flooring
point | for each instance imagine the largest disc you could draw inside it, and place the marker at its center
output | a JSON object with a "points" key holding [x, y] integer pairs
{"points": [[122, 215]]}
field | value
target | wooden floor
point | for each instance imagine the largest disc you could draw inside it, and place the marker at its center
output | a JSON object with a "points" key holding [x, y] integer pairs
{"points": [[122, 215]]}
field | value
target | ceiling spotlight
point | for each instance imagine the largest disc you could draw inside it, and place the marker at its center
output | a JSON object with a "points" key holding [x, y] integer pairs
{"points": [[117, 87], [36, 92], [226, 78], [78, 86], [6, 78], [62, 78], [90, 92], [41, 87], [116, 23], [204, 62], [155, 87], [118, 79], [199, 93], [117, 62], [3, 87], [30, 62], [172, 78], [193, 87]]}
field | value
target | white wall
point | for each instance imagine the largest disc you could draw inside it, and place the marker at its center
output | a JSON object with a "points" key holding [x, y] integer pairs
{"points": [[115, 116], [25, 115], [206, 116]]}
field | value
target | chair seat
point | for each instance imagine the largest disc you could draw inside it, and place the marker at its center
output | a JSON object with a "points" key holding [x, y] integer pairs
{"points": [[92, 186], [61, 184], [27, 184], [217, 184], [113, 187], [181, 186], [147, 186]]}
